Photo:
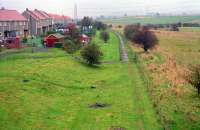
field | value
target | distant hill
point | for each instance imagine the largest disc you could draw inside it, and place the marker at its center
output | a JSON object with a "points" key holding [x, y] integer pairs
{"points": [[152, 20]]}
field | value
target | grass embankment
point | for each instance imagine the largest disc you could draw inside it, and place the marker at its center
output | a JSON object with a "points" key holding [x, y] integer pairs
{"points": [[51, 91], [166, 68]]}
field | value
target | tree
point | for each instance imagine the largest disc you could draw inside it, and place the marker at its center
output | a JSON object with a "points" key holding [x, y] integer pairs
{"points": [[130, 30], [174, 27], [91, 54], [146, 38], [194, 78], [87, 28], [100, 26], [86, 22], [105, 36]]}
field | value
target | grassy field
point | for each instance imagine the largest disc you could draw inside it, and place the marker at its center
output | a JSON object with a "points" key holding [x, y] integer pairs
{"points": [[48, 91], [152, 20], [165, 69], [190, 29]]}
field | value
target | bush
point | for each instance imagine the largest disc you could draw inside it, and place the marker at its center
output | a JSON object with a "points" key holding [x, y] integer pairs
{"points": [[130, 30], [194, 78], [91, 54], [110, 26], [119, 26], [58, 45], [105, 36], [100, 26], [174, 27], [69, 46], [24, 40], [145, 38]]}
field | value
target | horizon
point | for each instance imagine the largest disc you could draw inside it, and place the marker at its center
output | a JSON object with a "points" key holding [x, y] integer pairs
{"points": [[107, 8]]}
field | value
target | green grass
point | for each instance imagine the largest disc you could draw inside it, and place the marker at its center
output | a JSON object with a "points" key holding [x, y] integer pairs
{"points": [[190, 29], [48, 91], [152, 20], [109, 49]]}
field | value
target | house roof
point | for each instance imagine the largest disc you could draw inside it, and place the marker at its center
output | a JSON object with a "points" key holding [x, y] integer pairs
{"points": [[38, 14], [11, 15], [57, 35], [59, 17], [43, 13]]}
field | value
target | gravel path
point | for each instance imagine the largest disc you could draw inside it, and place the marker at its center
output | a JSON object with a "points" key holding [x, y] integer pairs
{"points": [[123, 53]]}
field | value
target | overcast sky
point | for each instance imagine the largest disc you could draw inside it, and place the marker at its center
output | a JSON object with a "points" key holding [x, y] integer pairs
{"points": [[106, 7]]}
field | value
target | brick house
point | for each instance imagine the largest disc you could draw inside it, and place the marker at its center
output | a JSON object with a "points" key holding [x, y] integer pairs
{"points": [[39, 21], [12, 24], [60, 20]]}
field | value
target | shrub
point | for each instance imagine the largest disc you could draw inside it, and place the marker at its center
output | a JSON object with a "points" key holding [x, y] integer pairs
{"points": [[91, 54], [24, 40], [69, 46], [194, 78], [130, 30], [119, 26], [100, 26], [105, 36], [174, 27], [146, 38], [110, 26]]}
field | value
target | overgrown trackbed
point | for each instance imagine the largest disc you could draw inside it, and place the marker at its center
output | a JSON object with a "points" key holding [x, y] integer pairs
{"points": [[146, 118]]}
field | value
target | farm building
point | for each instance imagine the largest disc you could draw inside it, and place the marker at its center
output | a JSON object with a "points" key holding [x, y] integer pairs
{"points": [[52, 39], [39, 21], [12, 24]]}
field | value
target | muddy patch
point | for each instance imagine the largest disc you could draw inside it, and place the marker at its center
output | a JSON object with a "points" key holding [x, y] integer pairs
{"points": [[92, 87], [99, 105], [25, 80], [117, 128]]}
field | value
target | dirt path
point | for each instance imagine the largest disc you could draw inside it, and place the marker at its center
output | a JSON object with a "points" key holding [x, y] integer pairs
{"points": [[123, 53]]}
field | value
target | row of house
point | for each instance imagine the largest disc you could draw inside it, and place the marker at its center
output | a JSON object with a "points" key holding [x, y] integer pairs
{"points": [[30, 22]]}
